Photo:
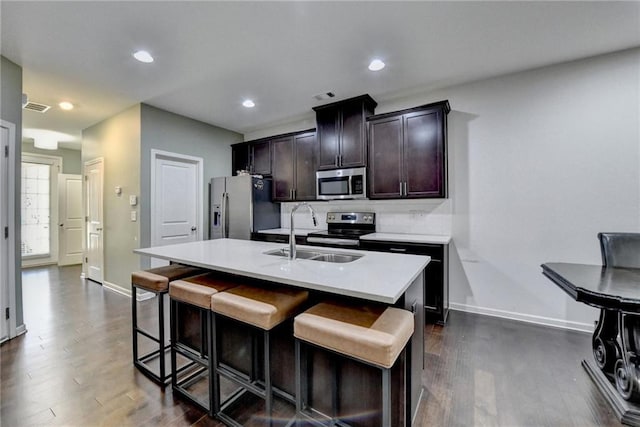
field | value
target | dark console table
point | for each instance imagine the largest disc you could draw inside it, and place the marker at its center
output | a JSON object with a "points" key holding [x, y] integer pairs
{"points": [[616, 339]]}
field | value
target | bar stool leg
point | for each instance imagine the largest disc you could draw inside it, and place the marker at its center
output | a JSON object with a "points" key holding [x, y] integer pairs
{"points": [[134, 322], [386, 397], [213, 367], [298, 379], [268, 393], [173, 316], [161, 336]]}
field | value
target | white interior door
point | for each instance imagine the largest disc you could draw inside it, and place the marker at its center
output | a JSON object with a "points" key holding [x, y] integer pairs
{"points": [[176, 199], [70, 219], [7, 230], [94, 258]]}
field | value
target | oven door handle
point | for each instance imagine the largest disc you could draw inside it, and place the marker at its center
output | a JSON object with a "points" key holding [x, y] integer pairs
{"points": [[330, 241]]}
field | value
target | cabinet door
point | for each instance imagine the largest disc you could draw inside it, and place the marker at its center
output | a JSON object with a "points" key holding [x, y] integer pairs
{"points": [[305, 145], [385, 158], [424, 154], [433, 288], [327, 121], [283, 168], [239, 158], [352, 136], [261, 158]]}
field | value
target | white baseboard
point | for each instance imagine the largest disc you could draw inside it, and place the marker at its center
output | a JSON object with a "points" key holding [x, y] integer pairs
{"points": [[144, 295], [528, 318], [140, 295], [21, 329], [117, 289]]}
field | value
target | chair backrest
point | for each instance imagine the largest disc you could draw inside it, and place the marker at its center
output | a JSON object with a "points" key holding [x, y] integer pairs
{"points": [[620, 249]]}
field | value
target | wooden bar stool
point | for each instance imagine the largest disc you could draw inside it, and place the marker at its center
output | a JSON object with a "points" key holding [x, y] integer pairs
{"points": [[156, 281], [263, 309], [373, 335], [196, 292]]}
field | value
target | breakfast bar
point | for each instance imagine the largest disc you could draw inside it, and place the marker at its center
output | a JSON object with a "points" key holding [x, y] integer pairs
{"points": [[370, 277]]}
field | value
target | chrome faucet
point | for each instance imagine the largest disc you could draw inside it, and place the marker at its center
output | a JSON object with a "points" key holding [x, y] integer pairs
{"points": [[292, 233]]}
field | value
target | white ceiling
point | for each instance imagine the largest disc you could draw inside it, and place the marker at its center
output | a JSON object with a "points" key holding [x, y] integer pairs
{"points": [[212, 55]]}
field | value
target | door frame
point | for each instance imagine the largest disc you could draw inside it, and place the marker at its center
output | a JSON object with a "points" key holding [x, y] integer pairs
{"points": [[10, 256], [61, 176], [56, 169], [198, 162], [85, 272]]}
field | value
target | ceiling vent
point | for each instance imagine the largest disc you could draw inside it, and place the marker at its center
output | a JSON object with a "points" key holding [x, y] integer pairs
{"points": [[324, 96], [34, 106]]}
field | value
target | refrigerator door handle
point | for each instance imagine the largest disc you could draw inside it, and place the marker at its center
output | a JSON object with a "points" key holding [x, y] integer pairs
{"points": [[223, 214]]}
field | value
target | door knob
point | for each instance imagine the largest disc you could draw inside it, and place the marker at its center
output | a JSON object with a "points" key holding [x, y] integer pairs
{"points": [[61, 225], [193, 228], [98, 229]]}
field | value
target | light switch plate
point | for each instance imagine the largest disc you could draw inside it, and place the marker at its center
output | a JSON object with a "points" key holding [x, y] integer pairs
{"points": [[133, 200], [134, 215]]}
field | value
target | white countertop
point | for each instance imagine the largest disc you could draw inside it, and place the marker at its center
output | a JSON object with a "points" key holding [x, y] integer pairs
{"points": [[377, 276], [285, 231], [388, 237], [408, 238]]}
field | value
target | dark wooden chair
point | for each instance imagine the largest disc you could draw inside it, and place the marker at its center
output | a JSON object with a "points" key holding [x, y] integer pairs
{"points": [[620, 249]]}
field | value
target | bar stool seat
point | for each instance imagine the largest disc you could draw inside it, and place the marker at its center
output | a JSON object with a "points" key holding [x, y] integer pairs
{"points": [[197, 292], [374, 335], [155, 280], [264, 309], [260, 307]]}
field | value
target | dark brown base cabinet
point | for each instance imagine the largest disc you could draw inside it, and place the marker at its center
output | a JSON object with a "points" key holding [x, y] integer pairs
{"points": [[436, 277], [408, 153]]}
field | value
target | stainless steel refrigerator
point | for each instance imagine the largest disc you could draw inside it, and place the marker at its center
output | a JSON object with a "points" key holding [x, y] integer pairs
{"points": [[241, 205]]}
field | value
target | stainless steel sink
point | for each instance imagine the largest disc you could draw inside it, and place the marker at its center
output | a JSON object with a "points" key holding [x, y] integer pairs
{"points": [[317, 255]]}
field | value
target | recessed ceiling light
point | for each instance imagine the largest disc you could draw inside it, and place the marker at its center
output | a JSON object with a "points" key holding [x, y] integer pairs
{"points": [[143, 56], [376, 65], [248, 103], [66, 105]]}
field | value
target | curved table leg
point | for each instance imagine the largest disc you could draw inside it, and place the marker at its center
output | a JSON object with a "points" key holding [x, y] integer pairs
{"points": [[626, 370], [604, 341]]}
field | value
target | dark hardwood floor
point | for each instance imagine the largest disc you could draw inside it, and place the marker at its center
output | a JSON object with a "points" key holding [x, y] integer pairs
{"points": [[73, 367]]}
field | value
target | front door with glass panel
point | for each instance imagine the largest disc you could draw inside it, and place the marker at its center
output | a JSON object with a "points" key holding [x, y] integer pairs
{"points": [[39, 205]]}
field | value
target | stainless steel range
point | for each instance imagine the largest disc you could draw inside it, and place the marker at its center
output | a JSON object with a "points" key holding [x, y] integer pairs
{"points": [[344, 229]]}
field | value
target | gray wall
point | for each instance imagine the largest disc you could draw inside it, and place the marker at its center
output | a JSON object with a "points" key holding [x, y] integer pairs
{"points": [[71, 159], [171, 132], [117, 140], [11, 111]]}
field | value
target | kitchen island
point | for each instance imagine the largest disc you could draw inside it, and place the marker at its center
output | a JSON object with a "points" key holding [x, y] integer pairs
{"points": [[373, 277]]}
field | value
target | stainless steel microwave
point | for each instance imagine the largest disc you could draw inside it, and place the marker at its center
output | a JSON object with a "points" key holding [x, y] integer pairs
{"points": [[341, 184]]}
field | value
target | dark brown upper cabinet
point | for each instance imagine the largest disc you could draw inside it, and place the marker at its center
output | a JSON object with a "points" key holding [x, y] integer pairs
{"points": [[408, 153], [261, 157], [341, 134], [294, 166], [240, 158], [252, 156]]}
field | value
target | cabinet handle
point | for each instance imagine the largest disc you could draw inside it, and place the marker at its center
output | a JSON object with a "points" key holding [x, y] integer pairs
{"points": [[398, 249], [294, 193], [340, 160], [336, 161], [405, 188], [401, 188]]}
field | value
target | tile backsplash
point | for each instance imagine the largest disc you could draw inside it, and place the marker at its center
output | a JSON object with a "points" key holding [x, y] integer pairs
{"points": [[421, 216]]}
